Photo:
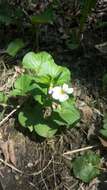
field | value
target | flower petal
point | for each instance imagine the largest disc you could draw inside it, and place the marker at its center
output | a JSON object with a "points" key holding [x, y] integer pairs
{"points": [[50, 91], [70, 90], [66, 89], [63, 97], [57, 89], [56, 95]]}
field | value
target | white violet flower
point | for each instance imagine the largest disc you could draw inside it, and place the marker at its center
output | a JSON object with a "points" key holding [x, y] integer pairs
{"points": [[60, 93]]}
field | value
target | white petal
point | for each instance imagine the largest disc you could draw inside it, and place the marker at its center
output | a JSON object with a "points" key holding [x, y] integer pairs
{"points": [[57, 89], [67, 90], [63, 97], [56, 96], [65, 87], [50, 91], [70, 90]]}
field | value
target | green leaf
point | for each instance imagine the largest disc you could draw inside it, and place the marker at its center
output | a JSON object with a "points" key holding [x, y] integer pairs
{"points": [[73, 41], [42, 63], [63, 76], [45, 68], [43, 18], [68, 112], [14, 47], [57, 119], [39, 94], [85, 11], [105, 121], [103, 131], [86, 167], [43, 79], [45, 131], [33, 120], [5, 19], [3, 97], [22, 85], [5, 13]]}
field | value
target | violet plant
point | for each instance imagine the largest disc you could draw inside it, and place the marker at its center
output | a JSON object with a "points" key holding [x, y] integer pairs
{"points": [[48, 98]]}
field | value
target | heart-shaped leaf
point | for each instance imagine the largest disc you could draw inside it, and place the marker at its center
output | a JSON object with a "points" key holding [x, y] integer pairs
{"points": [[42, 63], [45, 131], [22, 85], [68, 112], [45, 68], [33, 120], [86, 167]]}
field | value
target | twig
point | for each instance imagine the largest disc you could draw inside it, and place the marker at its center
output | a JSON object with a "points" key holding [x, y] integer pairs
{"points": [[39, 172], [11, 166], [79, 150], [21, 172], [9, 115]]}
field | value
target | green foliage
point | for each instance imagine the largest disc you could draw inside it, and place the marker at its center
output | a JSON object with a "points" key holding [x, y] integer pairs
{"points": [[45, 68], [9, 14], [75, 37], [87, 166], [3, 98], [14, 47], [47, 113], [73, 41], [100, 24], [85, 11], [34, 120], [103, 131], [68, 112], [45, 17]]}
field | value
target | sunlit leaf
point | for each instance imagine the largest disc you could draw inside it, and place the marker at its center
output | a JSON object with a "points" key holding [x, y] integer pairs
{"points": [[68, 113], [15, 46], [3, 97], [22, 85], [45, 68]]}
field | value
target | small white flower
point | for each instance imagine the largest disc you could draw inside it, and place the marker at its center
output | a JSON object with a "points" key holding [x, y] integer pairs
{"points": [[60, 93], [67, 89]]}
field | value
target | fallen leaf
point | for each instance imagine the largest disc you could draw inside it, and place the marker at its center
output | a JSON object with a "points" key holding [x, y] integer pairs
{"points": [[87, 113], [91, 131], [103, 142], [12, 156], [8, 151], [4, 148]]}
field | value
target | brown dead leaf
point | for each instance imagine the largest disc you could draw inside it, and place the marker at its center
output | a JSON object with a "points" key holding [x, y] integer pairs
{"points": [[87, 113], [8, 151], [77, 91], [103, 142], [4, 148], [12, 156], [91, 131]]}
